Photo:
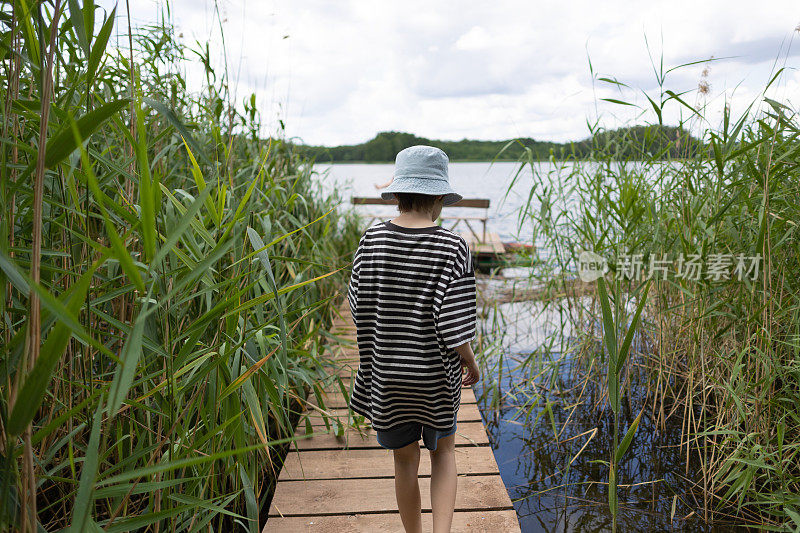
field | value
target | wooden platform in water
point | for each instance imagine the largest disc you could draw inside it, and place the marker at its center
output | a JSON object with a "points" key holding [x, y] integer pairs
{"points": [[491, 245], [345, 483], [481, 242]]}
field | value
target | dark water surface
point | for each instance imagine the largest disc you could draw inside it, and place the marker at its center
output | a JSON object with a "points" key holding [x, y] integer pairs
{"points": [[555, 486]]}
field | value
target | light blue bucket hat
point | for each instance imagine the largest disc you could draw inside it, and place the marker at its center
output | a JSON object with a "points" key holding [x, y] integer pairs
{"points": [[422, 169]]}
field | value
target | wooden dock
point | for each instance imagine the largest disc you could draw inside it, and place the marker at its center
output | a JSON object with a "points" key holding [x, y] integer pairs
{"points": [[481, 242], [491, 245], [346, 484]]}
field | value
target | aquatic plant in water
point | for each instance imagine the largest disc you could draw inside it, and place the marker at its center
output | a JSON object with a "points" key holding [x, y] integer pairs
{"points": [[720, 350]]}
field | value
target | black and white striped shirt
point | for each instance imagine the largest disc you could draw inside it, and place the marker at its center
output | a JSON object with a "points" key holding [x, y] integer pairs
{"points": [[413, 299]]}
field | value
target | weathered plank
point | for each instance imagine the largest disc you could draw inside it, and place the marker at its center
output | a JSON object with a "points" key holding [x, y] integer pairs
{"points": [[490, 245], [463, 522], [343, 369], [368, 463], [466, 413], [467, 434], [329, 496], [333, 398]]}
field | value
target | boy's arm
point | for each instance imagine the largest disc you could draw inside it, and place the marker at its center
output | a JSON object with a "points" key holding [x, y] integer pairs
{"points": [[461, 294], [467, 356]]}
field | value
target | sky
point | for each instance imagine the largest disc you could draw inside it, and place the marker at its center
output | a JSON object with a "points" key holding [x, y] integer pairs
{"points": [[339, 72]]}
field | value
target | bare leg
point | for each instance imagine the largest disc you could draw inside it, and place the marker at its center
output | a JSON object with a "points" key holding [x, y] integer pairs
{"points": [[443, 483], [406, 487]]}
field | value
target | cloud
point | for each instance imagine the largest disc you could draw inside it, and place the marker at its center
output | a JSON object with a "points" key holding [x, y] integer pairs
{"points": [[751, 52], [474, 39], [488, 71]]}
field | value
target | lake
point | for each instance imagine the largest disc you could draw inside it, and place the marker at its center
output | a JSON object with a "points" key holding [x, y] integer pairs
{"points": [[470, 179], [550, 430]]}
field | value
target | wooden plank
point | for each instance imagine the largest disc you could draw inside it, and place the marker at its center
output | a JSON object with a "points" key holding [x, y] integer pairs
{"points": [[348, 346], [350, 334], [348, 341], [327, 496], [443, 217], [344, 371], [346, 335], [466, 413], [332, 396], [463, 522], [343, 353], [491, 245], [316, 419], [369, 463], [467, 434], [348, 357]]}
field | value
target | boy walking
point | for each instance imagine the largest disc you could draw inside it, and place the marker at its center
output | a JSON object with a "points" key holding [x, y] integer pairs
{"points": [[412, 296]]}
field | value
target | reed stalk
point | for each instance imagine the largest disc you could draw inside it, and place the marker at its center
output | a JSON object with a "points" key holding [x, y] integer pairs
{"points": [[159, 388], [721, 355]]}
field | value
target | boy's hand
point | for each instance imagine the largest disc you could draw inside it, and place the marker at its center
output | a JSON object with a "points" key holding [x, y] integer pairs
{"points": [[473, 372]]}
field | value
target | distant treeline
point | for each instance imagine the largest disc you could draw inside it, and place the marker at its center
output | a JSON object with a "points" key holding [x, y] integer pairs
{"points": [[637, 142]]}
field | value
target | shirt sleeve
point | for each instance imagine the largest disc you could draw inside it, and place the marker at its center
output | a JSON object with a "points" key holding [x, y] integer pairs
{"points": [[457, 318], [352, 287]]}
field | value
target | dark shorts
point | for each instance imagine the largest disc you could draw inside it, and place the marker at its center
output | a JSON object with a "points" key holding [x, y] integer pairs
{"points": [[405, 434]]}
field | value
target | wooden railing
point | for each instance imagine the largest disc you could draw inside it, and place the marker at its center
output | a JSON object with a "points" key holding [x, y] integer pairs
{"points": [[478, 203]]}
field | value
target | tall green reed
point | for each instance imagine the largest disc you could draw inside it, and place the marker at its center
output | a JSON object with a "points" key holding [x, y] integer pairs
{"points": [[186, 270], [617, 355], [721, 354]]}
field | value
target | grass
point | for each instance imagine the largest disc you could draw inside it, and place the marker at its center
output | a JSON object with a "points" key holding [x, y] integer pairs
{"points": [[166, 278], [721, 355]]}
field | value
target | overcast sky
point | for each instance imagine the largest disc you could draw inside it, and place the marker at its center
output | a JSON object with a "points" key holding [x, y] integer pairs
{"points": [[338, 72]]}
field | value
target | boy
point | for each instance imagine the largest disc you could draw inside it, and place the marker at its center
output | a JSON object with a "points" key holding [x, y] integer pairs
{"points": [[412, 297]]}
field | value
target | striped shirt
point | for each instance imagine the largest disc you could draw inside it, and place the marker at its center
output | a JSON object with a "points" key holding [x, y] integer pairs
{"points": [[413, 300]]}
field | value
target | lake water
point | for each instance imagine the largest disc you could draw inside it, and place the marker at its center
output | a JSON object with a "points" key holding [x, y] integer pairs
{"points": [[551, 430], [470, 179]]}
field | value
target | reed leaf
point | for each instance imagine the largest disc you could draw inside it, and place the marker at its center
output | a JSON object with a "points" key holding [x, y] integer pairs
{"points": [[34, 387], [129, 360], [81, 510], [625, 349], [625, 443]]}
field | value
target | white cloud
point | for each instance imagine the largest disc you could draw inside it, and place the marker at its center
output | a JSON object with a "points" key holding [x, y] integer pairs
{"points": [[484, 70], [474, 39]]}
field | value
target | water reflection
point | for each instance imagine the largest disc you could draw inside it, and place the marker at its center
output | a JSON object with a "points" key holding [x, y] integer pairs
{"points": [[551, 432]]}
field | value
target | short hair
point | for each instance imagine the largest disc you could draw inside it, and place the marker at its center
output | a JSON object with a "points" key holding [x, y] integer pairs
{"points": [[412, 201]]}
